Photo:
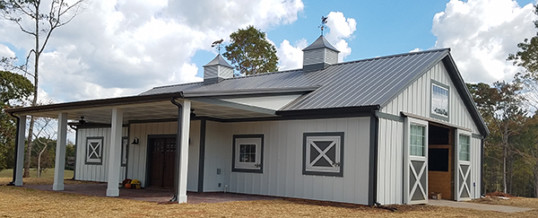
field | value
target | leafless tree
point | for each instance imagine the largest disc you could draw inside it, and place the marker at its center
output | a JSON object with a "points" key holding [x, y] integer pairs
{"points": [[39, 19]]}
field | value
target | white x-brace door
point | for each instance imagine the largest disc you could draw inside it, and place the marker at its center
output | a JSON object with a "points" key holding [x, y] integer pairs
{"points": [[462, 177], [415, 165]]}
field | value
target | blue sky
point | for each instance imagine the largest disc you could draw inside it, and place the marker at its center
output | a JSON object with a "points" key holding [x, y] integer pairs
{"points": [[133, 46]]}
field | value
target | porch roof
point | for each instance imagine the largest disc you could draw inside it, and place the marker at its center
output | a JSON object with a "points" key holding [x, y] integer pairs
{"points": [[234, 104]]}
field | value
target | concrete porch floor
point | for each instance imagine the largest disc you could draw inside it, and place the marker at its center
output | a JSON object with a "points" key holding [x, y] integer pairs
{"points": [[152, 194]]}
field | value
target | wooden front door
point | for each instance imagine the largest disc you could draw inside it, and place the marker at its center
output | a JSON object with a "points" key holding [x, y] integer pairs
{"points": [[162, 161]]}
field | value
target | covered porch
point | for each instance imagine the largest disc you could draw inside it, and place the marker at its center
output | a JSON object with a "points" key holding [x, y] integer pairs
{"points": [[119, 112]]}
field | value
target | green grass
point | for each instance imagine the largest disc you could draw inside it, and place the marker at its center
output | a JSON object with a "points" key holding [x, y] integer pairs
{"points": [[47, 177]]}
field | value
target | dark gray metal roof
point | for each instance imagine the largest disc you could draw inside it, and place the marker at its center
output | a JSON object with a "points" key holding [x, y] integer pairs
{"points": [[321, 42], [351, 84], [219, 60]]}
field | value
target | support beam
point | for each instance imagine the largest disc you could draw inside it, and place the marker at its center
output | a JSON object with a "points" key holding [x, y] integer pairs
{"points": [[59, 165], [19, 165], [184, 121], [114, 152]]}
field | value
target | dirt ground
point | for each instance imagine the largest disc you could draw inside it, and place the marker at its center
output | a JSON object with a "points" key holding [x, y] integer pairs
{"points": [[23, 202]]}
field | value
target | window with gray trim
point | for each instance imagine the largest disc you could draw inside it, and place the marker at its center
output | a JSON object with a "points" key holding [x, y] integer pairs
{"points": [[247, 153], [323, 153], [439, 100], [94, 150]]}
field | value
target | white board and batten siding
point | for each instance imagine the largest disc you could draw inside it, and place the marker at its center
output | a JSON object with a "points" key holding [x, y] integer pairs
{"points": [[94, 172], [415, 100], [283, 160], [138, 153]]}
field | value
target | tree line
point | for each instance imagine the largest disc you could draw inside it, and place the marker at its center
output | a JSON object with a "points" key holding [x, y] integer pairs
{"points": [[510, 110]]}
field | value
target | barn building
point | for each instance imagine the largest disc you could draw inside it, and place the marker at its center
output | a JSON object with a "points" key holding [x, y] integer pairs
{"points": [[388, 130]]}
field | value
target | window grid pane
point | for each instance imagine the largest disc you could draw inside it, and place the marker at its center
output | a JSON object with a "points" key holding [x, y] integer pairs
{"points": [[247, 153], [464, 153], [417, 140]]}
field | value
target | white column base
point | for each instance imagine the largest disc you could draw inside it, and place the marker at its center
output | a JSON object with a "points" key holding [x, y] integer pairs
{"points": [[112, 192], [182, 199]]}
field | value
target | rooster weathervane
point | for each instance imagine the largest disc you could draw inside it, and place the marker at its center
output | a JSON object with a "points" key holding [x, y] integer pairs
{"points": [[217, 44], [323, 22]]}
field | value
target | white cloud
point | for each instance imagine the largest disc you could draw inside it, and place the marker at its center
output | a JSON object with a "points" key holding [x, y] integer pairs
{"points": [[6, 52], [291, 56], [481, 34], [416, 50], [116, 48], [341, 29]]}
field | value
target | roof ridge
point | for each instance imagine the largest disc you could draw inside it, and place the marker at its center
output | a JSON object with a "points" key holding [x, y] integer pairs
{"points": [[174, 85], [262, 74], [393, 56], [300, 69]]}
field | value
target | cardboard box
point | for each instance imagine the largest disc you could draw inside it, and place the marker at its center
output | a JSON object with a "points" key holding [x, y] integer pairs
{"points": [[435, 195]]}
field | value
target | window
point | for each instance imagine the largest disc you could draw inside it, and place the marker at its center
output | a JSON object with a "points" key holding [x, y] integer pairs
{"points": [[124, 149], [323, 153], [464, 144], [439, 101], [247, 153], [94, 150], [417, 140]]}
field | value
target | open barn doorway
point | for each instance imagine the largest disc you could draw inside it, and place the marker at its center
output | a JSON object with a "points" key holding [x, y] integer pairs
{"points": [[440, 160]]}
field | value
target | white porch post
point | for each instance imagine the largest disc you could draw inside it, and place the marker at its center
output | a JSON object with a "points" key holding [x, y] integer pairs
{"points": [[59, 164], [20, 151], [114, 153], [184, 152]]}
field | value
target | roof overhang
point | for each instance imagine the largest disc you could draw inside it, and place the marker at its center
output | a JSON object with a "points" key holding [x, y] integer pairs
{"points": [[233, 104]]}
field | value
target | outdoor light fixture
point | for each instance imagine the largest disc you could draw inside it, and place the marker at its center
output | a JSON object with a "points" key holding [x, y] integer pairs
{"points": [[135, 141], [81, 121]]}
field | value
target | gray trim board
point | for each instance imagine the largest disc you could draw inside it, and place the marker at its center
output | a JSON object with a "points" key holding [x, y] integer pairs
{"points": [[342, 138], [129, 140], [387, 116], [483, 189], [477, 136], [15, 151], [201, 153], [406, 114], [76, 147], [260, 136], [465, 94], [372, 173]]}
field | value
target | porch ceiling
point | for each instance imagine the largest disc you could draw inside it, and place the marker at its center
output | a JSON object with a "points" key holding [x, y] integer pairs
{"points": [[157, 110]]}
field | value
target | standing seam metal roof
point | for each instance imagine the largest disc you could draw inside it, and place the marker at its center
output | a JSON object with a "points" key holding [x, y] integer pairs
{"points": [[351, 84]]}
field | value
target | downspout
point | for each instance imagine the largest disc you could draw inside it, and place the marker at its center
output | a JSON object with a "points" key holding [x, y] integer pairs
{"points": [[178, 143], [12, 183]]}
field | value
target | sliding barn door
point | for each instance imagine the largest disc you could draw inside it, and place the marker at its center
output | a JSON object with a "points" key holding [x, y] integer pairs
{"points": [[416, 162], [462, 177]]}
